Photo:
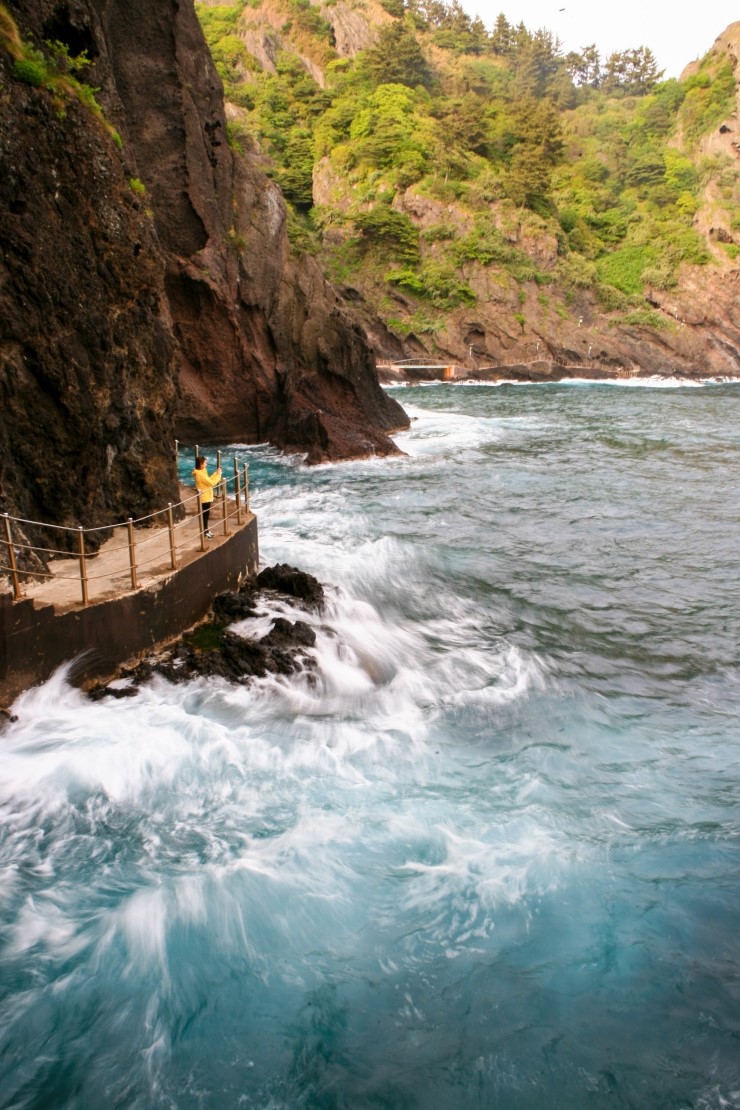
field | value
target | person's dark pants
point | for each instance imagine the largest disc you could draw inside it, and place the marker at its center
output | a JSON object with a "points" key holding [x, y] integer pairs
{"points": [[205, 510]]}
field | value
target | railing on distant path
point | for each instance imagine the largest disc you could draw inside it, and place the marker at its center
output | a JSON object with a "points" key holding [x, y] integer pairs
{"points": [[449, 371], [240, 511]]}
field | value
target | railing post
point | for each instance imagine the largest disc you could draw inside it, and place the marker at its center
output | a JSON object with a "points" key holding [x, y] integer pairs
{"points": [[171, 526], [132, 554], [218, 459], [224, 506], [200, 520], [11, 558], [83, 566], [246, 488], [177, 450], [237, 492], [197, 452]]}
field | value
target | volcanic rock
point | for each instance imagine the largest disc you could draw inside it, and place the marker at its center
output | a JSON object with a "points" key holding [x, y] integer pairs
{"points": [[212, 650], [288, 580]]}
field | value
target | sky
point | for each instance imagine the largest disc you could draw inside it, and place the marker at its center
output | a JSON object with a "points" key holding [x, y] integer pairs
{"points": [[676, 33]]}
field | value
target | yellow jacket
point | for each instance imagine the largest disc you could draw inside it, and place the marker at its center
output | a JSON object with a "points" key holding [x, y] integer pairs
{"points": [[205, 483]]}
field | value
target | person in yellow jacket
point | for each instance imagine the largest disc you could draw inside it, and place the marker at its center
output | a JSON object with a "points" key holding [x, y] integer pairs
{"points": [[205, 483]]}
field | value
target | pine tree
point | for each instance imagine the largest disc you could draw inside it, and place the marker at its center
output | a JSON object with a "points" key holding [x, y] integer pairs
{"points": [[585, 67], [502, 36], [632, 72], [398, 59]]}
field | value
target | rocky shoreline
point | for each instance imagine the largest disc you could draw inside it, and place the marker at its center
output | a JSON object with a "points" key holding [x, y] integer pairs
{"points": [[537, 371], [211, 650]]}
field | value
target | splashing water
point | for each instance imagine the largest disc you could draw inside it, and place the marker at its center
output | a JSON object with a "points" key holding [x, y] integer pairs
{"points": [[486, 856]]}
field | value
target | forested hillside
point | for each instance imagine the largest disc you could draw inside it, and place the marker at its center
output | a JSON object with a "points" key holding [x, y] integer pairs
{"points": [[479, 191]]}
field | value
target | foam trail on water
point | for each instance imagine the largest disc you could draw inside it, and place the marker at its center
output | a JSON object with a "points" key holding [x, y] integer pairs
{"points": [[443, 864]]}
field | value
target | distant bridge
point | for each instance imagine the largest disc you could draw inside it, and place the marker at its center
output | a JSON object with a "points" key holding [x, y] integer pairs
{"points": [[423, 368]]}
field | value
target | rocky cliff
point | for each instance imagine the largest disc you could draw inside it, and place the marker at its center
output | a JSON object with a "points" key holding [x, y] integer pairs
{"points": [[267, 352], [147, 289], [87, 356], [496, 284]]}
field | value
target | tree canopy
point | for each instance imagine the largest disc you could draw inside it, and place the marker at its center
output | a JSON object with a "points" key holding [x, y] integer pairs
{"points": [[490, 123]]}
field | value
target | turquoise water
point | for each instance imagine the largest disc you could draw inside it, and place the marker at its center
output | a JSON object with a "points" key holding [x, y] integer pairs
{"points": [[487, 858]]}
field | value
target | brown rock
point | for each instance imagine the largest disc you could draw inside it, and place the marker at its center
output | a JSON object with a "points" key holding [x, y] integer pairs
{"points": [[130, 317], [268, 353]]}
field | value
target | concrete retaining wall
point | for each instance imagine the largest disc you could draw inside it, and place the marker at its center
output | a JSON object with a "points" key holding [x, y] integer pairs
{"points": [[35, 640]]}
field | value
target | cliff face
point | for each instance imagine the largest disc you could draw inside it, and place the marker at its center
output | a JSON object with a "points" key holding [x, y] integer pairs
{"points": [[129, 317], [523, 330], [267, 351], [87, 370]]}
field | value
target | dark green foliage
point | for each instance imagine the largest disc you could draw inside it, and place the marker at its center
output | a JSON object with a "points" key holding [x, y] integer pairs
{"points": [[502, 36], [397, 59], [590, 152], [438, 233], [296, 176], [436, 282], [393, 232], [485, 244], [309, 19], [623, 268], [709, 99], [645, 318], [31, 71], [302, 233], [632, 72], [585, 67]]}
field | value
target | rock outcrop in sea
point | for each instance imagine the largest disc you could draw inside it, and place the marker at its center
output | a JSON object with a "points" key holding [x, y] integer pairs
{"points": [[212, 650]]}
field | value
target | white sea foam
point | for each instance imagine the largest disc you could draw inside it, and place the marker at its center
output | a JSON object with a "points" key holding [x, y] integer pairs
{"points": [[650, 381], [457, 839], [432, 433]]}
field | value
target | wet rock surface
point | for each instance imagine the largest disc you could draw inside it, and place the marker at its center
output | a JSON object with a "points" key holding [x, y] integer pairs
{"points": [[287, 580], [212, 649]]}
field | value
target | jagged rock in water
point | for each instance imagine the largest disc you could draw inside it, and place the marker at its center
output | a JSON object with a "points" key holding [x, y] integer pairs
{"points": [[233, 606], [288, 580], [285, 633], [211, 650]]}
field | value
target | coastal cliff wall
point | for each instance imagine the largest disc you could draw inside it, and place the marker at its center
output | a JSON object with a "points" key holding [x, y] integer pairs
{"points": [[268, 352], [147, 289], [87, 356]]}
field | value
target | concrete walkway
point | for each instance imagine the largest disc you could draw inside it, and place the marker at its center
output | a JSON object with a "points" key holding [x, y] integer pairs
{"points": [[109, 570]]}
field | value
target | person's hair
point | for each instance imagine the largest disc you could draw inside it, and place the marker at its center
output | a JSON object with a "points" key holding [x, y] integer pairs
{"points": [[200, 459]]}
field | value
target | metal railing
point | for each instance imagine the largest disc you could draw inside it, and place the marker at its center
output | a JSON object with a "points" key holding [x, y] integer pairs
{"points": [[131, 563]]}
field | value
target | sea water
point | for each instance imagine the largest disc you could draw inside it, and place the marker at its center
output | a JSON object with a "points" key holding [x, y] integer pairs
{"points": [[486, 855]]}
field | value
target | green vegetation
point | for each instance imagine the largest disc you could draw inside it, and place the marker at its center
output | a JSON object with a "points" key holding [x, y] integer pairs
{"points": [[446, 151], [54, 69], [137, 186]]}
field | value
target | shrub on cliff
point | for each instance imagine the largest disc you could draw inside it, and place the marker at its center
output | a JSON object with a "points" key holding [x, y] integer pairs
{"points": [[32, 71], [393, 232]]}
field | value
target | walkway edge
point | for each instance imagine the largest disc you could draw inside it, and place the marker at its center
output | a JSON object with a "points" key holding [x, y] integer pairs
{"points": [[35, 640]]}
